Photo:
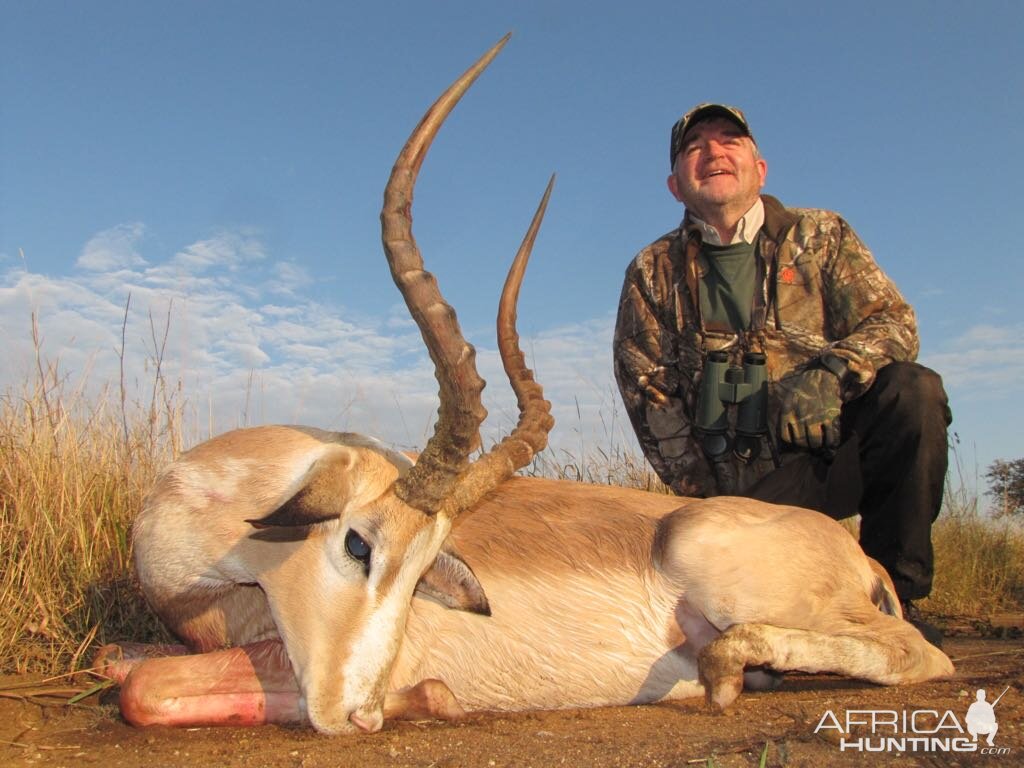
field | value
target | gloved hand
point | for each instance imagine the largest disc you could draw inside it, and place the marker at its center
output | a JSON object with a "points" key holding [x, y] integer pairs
{"points": [[809, 417]]}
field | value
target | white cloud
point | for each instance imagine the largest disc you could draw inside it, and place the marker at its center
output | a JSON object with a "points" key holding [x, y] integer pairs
{"points": [[228, 250], [113, 249], [287, 278], [984, 361]]}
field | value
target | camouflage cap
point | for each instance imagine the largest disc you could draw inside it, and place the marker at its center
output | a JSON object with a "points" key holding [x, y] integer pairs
{"points": [[703, 112]]}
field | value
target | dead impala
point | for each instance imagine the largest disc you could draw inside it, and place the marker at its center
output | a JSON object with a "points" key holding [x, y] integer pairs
{"points": [[318, 576]]}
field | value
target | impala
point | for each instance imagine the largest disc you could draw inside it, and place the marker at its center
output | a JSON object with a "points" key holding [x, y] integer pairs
{"points": [[321, 577]]}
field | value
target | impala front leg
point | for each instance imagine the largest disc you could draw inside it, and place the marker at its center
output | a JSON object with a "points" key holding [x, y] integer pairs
{"points": [[250, 685]]}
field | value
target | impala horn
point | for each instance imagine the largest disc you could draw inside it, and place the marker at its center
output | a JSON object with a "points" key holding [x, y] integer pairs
{"points": [[443, 480]]}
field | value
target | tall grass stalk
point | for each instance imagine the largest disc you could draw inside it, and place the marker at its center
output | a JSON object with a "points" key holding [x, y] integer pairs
{"points": [[73, 471]]}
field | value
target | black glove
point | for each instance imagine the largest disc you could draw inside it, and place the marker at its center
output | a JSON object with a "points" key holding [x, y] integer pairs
{"points": [[809, 417]]}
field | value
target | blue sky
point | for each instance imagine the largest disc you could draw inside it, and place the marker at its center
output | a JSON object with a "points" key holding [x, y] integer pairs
{"points": [[224, 162]]}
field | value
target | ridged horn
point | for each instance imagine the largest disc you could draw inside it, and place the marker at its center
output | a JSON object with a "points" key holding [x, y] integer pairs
{"points": [[457, 432], [530, 435]]}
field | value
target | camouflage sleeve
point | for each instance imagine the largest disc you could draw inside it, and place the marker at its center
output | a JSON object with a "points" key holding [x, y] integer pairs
{"points": [[646, 369], [871, 322]]}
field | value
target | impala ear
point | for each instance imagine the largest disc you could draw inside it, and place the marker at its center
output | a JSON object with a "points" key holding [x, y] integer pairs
{"points": [[322, 497], [452, 583]]}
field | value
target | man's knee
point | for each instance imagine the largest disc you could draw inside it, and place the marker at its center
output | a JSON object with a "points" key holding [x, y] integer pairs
{"points": [[911, 377], [916, 391]]}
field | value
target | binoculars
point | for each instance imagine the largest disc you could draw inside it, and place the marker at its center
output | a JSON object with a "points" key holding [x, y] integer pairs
{"points": [[723, 385]]}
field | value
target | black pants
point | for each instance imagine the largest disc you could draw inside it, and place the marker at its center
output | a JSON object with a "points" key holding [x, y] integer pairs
{"points": [[890, 468]]}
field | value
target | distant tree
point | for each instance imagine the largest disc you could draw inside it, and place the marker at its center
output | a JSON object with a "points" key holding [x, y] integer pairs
{"points": [[1006, 486]]}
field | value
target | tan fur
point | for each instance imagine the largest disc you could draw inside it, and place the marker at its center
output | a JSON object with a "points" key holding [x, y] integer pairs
{"points": [[599, 595]]}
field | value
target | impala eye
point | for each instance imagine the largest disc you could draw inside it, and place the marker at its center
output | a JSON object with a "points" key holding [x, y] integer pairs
{"points": [[358, 549]]}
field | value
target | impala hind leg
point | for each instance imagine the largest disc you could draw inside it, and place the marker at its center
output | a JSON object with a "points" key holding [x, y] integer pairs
{"points": [[887, 651]]}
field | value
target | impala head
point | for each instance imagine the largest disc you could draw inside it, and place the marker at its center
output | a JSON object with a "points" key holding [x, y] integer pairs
{"points": [[371, 526], [339, 561]]}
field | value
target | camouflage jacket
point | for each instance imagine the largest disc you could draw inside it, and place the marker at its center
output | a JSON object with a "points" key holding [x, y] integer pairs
{"points": [[821, 299]]}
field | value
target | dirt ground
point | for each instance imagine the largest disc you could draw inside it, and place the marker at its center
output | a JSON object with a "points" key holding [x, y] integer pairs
{"points": [[37, 730]]}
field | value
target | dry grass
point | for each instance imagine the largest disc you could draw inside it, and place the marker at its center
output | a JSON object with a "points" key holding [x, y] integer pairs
{"points": [[74, 469], [979, 561], [980, 567], [614, 466]]}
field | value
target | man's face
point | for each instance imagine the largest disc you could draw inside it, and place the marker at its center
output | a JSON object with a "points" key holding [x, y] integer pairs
{"points": [[717, 168]]}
